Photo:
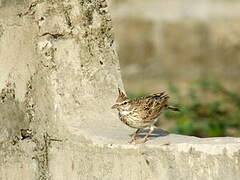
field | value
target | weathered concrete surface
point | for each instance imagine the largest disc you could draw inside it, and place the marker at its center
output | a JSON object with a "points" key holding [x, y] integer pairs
{"points": [[170, 157], [59, 78]]}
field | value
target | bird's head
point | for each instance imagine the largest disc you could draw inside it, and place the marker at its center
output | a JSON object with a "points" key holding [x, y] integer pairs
{"points": [[122, 102]]}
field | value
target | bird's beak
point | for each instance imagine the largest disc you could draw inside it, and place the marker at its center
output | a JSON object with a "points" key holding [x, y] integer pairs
{"points": [[114, 106]]}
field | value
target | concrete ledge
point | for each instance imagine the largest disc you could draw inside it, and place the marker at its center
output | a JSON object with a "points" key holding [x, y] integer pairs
{"points": [[110, 157], [169, 157]]}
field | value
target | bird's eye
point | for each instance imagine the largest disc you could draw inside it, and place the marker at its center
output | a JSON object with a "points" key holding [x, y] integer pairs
{"points": [[125, 103]]}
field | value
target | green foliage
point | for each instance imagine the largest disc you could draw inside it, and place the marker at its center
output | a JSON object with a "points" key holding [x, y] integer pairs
{"points": [[208, 110]]}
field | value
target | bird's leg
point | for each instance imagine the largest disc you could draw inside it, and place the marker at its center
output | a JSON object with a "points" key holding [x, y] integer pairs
{"points": [[148, 134], [134, 136]]}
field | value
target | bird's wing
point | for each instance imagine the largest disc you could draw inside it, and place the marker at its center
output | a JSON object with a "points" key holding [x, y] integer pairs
{"points": [[150, 107]]}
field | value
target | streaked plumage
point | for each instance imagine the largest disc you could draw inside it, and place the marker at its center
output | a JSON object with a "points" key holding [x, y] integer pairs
{"points": [[141, 112]]}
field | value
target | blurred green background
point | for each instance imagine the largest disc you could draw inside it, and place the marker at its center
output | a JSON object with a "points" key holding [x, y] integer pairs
{"points": [[208, 110], [191, 50]]}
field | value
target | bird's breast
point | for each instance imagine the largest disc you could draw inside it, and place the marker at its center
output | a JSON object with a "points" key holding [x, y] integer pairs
{"points": [[132, 119]]}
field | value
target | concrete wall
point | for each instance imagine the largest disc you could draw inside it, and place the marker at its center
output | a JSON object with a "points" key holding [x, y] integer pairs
{"points": [[59, 78], [177, 41]]}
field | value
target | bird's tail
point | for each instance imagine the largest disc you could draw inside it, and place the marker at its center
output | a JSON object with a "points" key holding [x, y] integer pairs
{"points": [[173, 108]]}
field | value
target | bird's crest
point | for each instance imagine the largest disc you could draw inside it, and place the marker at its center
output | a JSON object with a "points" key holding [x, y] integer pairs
{"points": [[121, 96]]}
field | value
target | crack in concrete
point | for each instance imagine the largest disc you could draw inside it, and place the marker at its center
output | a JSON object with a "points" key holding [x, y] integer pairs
{"points": [[29, 102], [41, 156], [67, 16], [30, 9], [54, 35], [1, 30]]}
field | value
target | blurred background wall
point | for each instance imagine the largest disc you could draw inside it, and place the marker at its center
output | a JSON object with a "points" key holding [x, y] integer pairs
{"points": [[177, 41], [189, 48]]}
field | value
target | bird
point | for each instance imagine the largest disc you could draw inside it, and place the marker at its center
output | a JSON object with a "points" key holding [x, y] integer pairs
{"points": [[143, 112]]}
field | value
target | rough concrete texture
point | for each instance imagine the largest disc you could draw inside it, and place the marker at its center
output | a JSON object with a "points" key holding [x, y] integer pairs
{"points": [[59, 78], [200, 38]]}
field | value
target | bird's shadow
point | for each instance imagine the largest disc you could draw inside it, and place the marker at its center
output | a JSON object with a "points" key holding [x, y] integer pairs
{"points": [[156, 133]]}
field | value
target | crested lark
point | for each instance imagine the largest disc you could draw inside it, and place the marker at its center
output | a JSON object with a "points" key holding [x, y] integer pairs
{"points": [[143, 112]]}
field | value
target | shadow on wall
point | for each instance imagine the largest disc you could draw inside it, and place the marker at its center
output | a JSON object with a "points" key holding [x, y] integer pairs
{"points": [[12, 114]]}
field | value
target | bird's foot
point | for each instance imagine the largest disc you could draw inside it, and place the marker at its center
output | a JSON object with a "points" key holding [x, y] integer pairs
{"points": [[133, 139], [145, 139], [138, 140]]}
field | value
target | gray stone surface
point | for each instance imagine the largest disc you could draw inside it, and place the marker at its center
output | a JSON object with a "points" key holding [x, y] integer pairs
{"points": [[59, 78], [171, 157]]}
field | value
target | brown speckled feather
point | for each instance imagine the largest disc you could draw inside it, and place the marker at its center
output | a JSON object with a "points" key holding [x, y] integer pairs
{"points": [[150, 107]]}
